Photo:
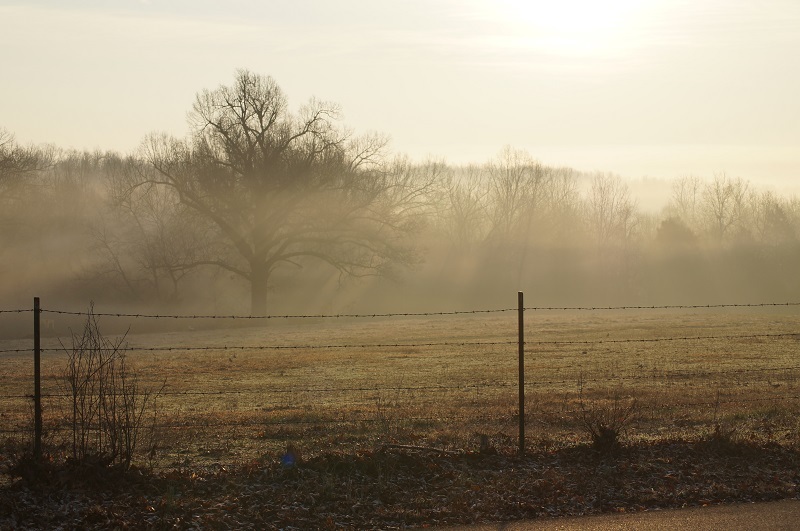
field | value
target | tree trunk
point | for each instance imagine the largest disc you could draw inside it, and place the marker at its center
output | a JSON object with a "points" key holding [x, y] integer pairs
{"points": [[259, 277]]}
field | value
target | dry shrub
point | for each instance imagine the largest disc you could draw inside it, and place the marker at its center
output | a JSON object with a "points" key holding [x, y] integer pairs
{"points": [[606, 418], [108, 404]]}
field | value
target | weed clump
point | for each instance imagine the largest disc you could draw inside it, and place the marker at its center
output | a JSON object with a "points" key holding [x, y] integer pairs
{"points": [[605, 419]]}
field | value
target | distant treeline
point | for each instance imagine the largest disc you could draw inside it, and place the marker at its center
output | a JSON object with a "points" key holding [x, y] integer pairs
{"points": [[488, 230], [262, 204]]}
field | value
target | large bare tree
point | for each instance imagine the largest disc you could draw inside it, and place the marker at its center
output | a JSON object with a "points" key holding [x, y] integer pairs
{"points": [[281, 188]]}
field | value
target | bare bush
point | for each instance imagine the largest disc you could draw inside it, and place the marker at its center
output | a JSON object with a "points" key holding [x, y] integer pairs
{"points": [[108, 404], [605, 419]]}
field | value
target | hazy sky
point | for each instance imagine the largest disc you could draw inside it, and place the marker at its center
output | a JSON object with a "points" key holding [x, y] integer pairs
{"points": [[656, 88]]}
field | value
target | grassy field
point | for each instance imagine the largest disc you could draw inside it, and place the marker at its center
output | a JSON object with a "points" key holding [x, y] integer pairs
{"points": [[243, 393]]}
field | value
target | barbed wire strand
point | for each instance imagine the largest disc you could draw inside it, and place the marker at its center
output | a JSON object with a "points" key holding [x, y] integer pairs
{"points": [[794, 335], [663, 307], [290, 316], [422, 314]]}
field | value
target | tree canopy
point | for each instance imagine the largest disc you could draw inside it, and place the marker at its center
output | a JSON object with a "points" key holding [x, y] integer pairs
{"points": [[280, 187]]}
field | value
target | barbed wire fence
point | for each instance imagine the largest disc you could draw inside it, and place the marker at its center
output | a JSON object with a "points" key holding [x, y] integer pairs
{"points": [[236, 396]]}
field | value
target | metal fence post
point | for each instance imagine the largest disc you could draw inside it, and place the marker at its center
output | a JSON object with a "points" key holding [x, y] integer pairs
{"points": [[37, 380], [520, 313]]}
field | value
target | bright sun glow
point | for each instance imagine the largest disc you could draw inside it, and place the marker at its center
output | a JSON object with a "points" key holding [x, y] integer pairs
{"points": [[576, 27]]}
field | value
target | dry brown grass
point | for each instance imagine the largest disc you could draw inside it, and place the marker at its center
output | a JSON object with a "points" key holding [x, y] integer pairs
{"points": [[226, 404]]}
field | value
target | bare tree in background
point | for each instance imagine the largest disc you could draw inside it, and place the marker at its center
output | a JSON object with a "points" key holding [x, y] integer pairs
{"points": [[561, 205], [462, 207], [724, 206], [280, 188], [686, 201], [510, 200], [772, 219], [516, 183], [611, 211], [16, 160], [145, 241]]}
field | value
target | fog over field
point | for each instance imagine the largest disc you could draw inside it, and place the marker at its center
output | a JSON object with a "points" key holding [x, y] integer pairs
{"points": [[338, 223], [439, 156]]}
